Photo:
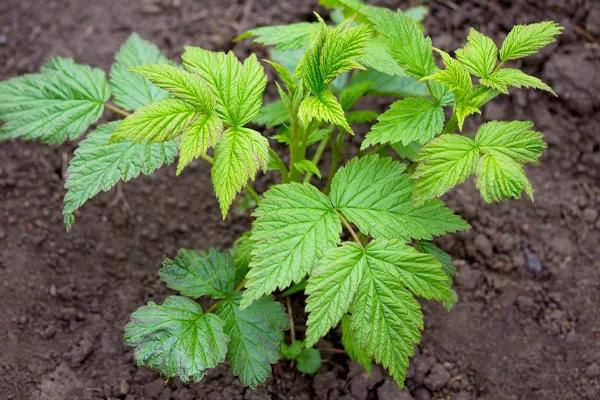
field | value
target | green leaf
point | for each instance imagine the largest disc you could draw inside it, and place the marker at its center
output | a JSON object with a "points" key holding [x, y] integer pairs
{"points": [[238, 157], [183, 85], [514, 139], [409, 151], [361, 116], [131, 91], [98, 166], [332, 287], [378, 57], [176, 338], [456, 76], [406, 121], [444, 163], [193, 274], [386, 85], [160, 121], [282, 37], [238, 87], [479, 55], [308, 166], [503, 78], [57, 104], [200, 135], [323, 107], [295, 225], [256, 334], [375, 284], [470, 102], [332, 52], [349, 342], [409, 47], [499, 177], [273, 114], [376, 195], [242, 255], [352, 93], [309, 361], [443, 257], [293, 350], [524, 40]]}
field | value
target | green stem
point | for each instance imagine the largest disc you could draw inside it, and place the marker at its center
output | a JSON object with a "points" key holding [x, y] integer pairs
{"points": [[350, 229], [117, 110], [317, 156], [280, 164]]}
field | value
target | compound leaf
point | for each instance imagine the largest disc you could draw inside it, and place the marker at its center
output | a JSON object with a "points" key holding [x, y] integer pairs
{"points": [[295, 225], [332, 287], [479, 55], [444, 163], [238, 87], [503, 78], [524, 40], [131, 91], [183, 85], [409, 47], [177, 338], [201, 134], [256, 333], [407, 120], [514, 139], [375, 195], [98, 165], [238, 157], [160, 121], [323, 107], [499, 177], [195, 274], [57, 104]]}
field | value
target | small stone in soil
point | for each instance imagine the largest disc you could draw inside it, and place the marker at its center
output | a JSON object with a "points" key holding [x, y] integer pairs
{"points": [[437, 378], [422, 394], [532, 261], [590, 215], [390, 391]]}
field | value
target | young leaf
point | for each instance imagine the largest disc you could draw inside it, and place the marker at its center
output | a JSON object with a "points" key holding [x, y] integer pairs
{"points": [[514, 139], [456, 76], [98, 166], [409, 47], [131, 91], [444, 163], [282, 37], [499, 177], [323, 107], [193, 274], [238, 157], [378, 57], [57, 104], [177, 338], [406, 121], [308, 166], [503, 78], [295, 225], [256, 334], [443, 257], [471, 101], [238, 87], [524, 40], [309, 361], [203, 133], [160, 121], [332, 287], [479, 55], [375, 195], [183, 85], [349, 342], [332, 52]]}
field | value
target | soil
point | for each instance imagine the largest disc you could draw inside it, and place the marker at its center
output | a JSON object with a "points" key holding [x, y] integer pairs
{"points": [[527, 324]]}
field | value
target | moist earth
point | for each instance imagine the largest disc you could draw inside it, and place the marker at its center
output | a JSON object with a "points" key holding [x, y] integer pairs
{"points": [[526, 325]]}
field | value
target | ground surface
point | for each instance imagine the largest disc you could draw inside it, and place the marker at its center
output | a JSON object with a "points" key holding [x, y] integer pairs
{"points": [[527, 325]]}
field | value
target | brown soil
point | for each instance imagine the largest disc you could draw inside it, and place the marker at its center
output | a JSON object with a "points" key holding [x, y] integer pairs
{"points": [[527, 324]]}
